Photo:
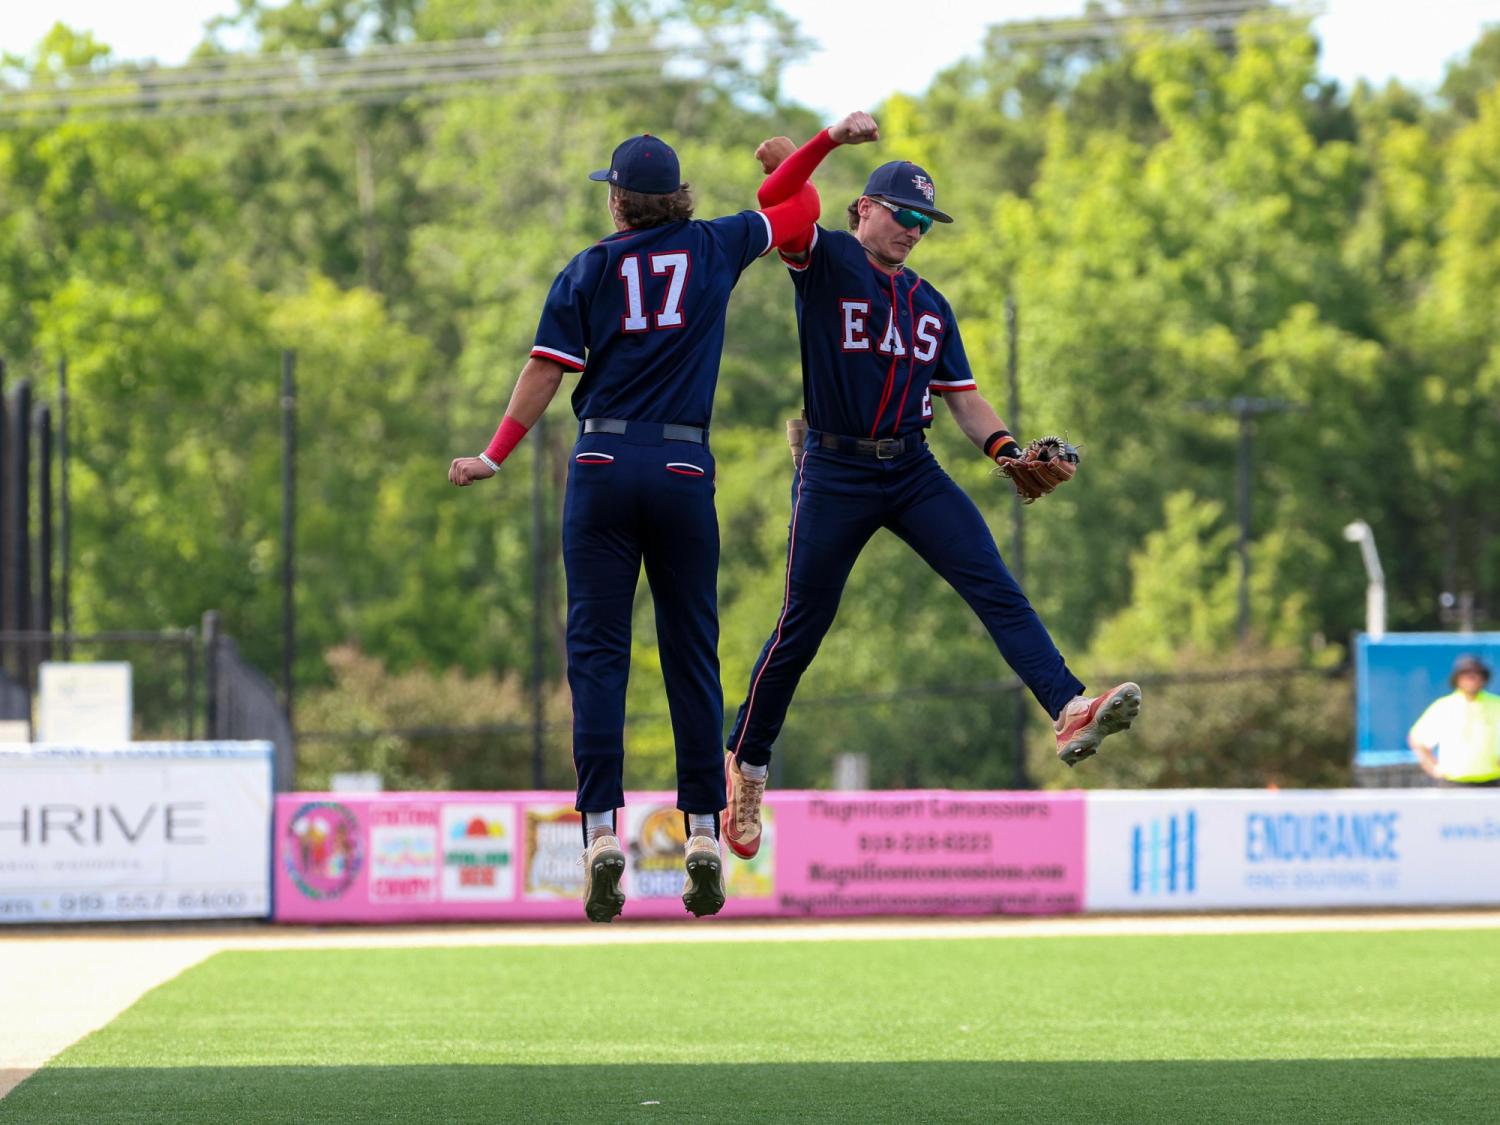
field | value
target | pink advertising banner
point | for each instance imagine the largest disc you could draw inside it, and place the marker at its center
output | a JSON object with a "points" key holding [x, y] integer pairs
{"points": [[410, 857]]}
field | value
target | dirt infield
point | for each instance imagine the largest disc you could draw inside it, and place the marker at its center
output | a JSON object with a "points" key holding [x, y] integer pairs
{"points": [[58, 984]]}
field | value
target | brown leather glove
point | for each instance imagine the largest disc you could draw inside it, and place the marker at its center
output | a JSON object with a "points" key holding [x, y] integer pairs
{"points": [[1043, 465]]}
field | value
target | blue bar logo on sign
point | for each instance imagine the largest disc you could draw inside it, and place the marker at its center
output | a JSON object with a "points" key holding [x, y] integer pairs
{"points": [[1164, 855]]}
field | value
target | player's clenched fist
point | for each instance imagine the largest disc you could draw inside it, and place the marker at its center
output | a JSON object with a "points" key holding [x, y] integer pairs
{"points": [[856, 129], [466, 470], [773, 151]]}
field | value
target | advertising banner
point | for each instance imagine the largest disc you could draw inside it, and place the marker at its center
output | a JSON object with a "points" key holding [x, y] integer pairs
{"points": [[399, 857], [930, 852], [139, 831], [1256, 849]]}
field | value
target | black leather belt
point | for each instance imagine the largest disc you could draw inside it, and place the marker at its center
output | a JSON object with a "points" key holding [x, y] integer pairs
{"points": [[670, 431], [882, 449]]}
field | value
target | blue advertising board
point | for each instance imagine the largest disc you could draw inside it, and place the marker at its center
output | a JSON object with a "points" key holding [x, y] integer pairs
{"points": [[1396, 678]]}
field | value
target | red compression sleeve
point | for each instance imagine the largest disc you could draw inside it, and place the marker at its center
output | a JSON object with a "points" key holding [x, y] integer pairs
{"points": [[792, 221], [795, 170], [506, 438]]}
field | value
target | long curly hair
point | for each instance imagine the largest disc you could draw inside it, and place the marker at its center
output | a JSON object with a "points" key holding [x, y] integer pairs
{"points": [[638, 210]]}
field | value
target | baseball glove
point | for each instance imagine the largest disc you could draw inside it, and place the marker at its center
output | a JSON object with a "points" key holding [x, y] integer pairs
{"points": [[1043, 465]]}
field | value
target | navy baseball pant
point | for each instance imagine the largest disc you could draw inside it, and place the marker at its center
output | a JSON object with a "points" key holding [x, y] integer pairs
{"points": [[839, 500], [635, 498]]}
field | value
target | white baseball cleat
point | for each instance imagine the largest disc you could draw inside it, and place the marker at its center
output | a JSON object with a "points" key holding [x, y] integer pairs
{"points": [[603, 865], [703, 891]]}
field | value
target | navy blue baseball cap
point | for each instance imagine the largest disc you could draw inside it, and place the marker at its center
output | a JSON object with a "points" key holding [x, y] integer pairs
{"points": [[906, 185], [645, 164]]}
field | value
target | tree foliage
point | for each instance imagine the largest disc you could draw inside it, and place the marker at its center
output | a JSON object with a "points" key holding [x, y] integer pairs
{"points": [[1180, 220]]}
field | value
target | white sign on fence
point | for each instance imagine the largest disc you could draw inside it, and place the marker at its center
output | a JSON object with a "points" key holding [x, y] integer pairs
{"points": [[84, 704], [150, 830], [1225, 849]]}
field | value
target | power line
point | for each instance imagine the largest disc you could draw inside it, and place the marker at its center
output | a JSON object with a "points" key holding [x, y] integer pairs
{"points": [[291, 87], [385, 74], [575, 60], [1211, 15]]}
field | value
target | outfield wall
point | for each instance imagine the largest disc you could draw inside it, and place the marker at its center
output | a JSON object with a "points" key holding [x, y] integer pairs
{"points": [[495, 856], [189, 830], [403, 857]]}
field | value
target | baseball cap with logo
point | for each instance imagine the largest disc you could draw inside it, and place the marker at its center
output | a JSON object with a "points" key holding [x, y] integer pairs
{"points": [[906, 185], [645, 164]]}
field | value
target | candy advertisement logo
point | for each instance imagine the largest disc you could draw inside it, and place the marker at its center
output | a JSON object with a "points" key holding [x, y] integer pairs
{"points": [[403, 855], [554, 841], [479, 853], [323, 855], [657, 841]]}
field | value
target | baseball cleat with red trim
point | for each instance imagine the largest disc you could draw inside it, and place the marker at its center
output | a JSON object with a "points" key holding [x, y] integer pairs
{"points": [[742, 813], [1086, 720]]}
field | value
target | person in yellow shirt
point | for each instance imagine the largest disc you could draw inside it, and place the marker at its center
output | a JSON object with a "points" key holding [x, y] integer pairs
{"points": [[1464, 729]]}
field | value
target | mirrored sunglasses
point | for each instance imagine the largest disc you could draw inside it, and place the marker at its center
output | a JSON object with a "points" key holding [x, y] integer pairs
{"points": [[906, 216]]}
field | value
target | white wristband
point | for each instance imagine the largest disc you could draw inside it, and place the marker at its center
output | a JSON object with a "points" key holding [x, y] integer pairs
{"points": [[494, 465]]}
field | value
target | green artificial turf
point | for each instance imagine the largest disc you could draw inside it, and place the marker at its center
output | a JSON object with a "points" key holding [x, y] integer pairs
{"points": [[1384, 1027]]}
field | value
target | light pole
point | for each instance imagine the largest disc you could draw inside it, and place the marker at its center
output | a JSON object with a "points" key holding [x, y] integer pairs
{"points": [[1245, 410], [1359, 532]]}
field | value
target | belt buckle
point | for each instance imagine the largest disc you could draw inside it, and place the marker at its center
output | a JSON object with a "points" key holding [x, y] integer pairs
{"points": [[887, 448]]}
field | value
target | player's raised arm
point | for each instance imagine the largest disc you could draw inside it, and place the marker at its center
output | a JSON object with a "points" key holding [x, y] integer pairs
{"points": [[790, 202], [535, 388], [788, 169]]}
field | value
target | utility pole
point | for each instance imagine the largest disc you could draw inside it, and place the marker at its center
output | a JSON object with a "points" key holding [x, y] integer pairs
{"points": [[538, 594], [288, 527], [1245, 409], [1019, 777]]}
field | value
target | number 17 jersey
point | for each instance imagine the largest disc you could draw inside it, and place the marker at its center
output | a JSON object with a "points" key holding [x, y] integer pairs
{"points": [[641, 315]]}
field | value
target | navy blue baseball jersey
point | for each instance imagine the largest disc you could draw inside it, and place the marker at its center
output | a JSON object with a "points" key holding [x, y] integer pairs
{"points": [[875, 347], [641, 314]]}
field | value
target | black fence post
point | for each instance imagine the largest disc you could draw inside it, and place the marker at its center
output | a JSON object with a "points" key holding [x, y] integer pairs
{"points": [[190, 660], [211, 674], [15, 588], [64, 512], [45, 556]]}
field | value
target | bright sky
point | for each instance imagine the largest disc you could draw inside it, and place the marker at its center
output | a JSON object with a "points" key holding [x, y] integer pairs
{"points": [[1373, 39]]}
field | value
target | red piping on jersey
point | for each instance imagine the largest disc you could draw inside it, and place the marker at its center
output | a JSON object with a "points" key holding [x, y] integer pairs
{"points": [[890, 376], [911, 366], [786, 604]]}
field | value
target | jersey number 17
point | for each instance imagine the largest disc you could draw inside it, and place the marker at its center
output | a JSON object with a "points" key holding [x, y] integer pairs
{"points": [[675, 265]]}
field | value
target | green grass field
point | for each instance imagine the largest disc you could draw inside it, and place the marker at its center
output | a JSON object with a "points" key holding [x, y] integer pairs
{"points": [[1383, 1027]]}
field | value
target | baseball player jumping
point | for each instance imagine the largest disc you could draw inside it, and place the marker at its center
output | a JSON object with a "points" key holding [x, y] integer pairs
{"points": [[640, 314], [878, 342]]}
